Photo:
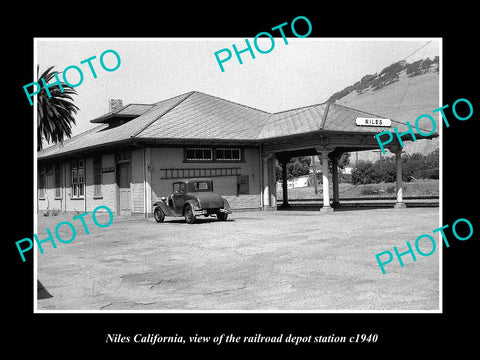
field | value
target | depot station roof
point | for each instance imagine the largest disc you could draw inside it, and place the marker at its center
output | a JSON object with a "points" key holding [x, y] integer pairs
{"points": [[196, 117]]}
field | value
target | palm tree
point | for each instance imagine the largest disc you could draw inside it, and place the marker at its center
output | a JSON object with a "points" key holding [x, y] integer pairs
{"points": [[55, 113]]}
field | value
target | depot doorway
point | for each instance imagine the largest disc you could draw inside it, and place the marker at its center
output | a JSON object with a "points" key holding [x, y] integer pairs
{"points": [[124, 176]]}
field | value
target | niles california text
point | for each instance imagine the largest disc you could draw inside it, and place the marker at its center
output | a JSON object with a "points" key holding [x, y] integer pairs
{"points": [[153, 339]]}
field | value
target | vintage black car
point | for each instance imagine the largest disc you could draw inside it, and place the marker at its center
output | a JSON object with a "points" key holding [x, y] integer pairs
{"points": [[192, 198]]}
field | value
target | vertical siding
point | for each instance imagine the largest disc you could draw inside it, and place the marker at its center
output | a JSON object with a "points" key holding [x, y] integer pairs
{"points": [[148, 182], [108, 197], [109, 185], [42, 203], [223, 185], [89, 183], [160, 158], [49, 202], [49, 190], [137, 182]]}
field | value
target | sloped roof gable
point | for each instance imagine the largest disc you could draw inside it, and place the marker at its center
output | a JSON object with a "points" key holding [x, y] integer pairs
{"points": [[195, 115]]}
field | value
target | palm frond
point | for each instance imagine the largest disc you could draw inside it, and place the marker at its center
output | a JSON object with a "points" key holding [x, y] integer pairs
{"points": [[55, 114]]}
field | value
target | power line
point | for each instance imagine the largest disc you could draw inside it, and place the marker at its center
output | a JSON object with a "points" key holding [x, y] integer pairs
{"points": [[421, 47], [409, 80]]}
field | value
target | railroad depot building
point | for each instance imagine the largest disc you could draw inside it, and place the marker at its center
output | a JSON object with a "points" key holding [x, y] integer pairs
{"points": [[131, 158]]}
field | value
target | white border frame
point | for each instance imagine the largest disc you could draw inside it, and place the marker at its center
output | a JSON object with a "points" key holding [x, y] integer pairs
{"points": [[440, 254]]}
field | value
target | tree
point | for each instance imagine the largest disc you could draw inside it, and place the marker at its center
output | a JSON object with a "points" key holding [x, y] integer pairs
{"points": [[55, 113], [414, 166], [432, 159], [388, 75], [344, 161], [419, 67], [385, 169], [363, 173], [297, 166]]}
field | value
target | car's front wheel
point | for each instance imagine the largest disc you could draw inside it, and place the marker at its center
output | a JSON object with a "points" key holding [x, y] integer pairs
{"points": [[158, 215], [189, 215], [222, 216]]}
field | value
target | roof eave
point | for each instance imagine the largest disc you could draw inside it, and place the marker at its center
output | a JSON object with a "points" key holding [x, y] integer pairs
{"points": [[146, 142], [108, 117]]}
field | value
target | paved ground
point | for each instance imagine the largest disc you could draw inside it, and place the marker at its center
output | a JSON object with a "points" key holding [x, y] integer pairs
{"points": [[285, 260]]}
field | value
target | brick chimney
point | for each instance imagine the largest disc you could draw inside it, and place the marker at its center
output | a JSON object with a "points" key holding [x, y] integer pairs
{"points": [[115, 104]]}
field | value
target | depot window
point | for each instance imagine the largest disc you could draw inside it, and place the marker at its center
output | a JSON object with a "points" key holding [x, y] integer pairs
{"points": [[58, 181], [198, 154], [41, 183], [97, 176], [207, 154], [78, 179], [228, 154]]}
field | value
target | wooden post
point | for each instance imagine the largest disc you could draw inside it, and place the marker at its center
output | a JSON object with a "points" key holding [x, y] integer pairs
{"points": [[285, 203], [399, 187], [326, 208], [284, 160], [266, 180], [273, 184], [336, 197]]}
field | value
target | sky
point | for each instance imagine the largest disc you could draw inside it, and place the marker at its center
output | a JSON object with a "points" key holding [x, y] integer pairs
{"points": [[303, 72]]}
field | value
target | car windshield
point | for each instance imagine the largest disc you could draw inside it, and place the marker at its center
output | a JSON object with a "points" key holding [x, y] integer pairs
{"points": [[200, 186], [178, 187]]}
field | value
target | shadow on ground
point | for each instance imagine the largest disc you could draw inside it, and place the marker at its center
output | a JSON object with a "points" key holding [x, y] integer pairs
{"points": [[42, 293]]}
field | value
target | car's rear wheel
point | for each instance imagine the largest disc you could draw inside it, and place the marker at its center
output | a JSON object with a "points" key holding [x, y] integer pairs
{"points": [[158, 215], [189, 215], [222, 216]]}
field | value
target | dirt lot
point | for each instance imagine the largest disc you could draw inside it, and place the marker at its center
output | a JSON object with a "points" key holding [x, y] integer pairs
{"points": [[285, 260]]}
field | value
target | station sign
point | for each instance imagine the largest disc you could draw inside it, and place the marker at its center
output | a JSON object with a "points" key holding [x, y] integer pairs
{"points": [[361, 121]]}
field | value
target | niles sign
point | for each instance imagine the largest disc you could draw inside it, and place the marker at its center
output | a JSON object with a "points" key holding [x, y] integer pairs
{"points": [[360, 121]]}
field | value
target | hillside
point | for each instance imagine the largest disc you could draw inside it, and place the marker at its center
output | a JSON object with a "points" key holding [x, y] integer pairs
{"points": [[401, 91]]}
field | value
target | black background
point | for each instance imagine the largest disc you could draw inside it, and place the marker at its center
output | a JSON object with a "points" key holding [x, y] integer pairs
{"points": [[54, 335]]}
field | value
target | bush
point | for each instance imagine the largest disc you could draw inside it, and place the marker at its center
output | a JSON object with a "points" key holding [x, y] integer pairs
{"points": [[415, 165], [363, 173], [367, 190], [412, 163], [432, 159], [386, 169], [390, 189], [345, 178], [427, 174]]}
